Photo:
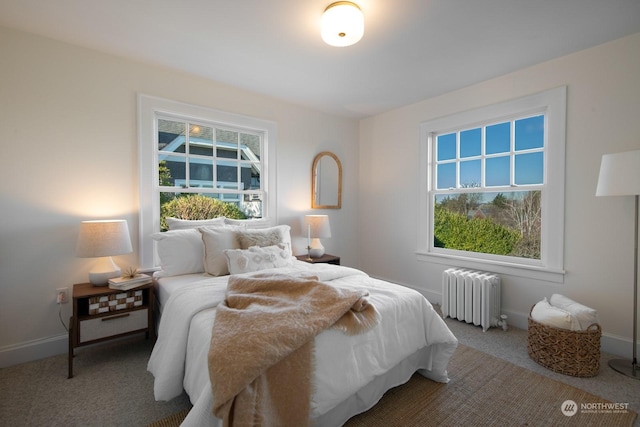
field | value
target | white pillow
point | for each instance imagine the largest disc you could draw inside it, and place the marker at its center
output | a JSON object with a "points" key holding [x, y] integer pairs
{"points": [[257, 258], [586, 316], [181, 224], [180, 252], [249, 223], [545, 313], [280, 234], [216, 240]]}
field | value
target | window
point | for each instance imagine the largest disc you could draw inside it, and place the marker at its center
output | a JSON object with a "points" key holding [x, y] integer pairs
{"points": [[186, 149], [223, 163], [492, 191]]}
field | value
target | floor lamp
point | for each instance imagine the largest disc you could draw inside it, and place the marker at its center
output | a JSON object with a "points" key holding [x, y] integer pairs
{"points": [[620, 176]]}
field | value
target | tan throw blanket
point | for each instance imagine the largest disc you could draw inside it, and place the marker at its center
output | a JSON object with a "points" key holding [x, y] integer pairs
{"points": [[262, 345]]}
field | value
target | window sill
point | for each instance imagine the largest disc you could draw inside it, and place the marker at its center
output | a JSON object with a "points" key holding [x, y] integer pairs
{"points": [[527, 271]]}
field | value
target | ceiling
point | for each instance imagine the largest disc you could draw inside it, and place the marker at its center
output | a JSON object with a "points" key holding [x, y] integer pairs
{"points": [[411, 50]]}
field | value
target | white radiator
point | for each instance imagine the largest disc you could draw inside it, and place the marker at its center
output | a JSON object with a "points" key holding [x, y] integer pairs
{"points": [[471, 296]]}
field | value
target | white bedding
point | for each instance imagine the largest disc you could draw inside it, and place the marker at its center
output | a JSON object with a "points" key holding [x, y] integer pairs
{"points": [[167, 285], [351, 372]]}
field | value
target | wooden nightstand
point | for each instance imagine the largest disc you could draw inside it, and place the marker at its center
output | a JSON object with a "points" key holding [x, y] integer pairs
{"points": [[326, 258], [90, 324]]}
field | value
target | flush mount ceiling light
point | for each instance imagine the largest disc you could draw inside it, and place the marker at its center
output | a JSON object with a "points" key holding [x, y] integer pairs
{"points": [[342, 24]]}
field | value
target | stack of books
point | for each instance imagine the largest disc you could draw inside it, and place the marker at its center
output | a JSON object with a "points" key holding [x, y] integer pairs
{"points": [[126, 283]]}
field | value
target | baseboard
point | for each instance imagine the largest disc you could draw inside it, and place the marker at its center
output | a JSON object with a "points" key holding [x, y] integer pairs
{"points": [[618, 346], [33, 350]]}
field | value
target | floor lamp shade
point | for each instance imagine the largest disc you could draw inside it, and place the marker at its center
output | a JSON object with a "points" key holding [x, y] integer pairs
{"points": [[103, 239], [620, 176]]}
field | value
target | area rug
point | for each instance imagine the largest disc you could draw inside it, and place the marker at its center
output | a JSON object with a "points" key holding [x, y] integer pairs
{"points": [[173, 420], [485, 390]]}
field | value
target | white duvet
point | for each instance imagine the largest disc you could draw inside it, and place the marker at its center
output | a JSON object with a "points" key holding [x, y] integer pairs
{"points": [[409, 326]]}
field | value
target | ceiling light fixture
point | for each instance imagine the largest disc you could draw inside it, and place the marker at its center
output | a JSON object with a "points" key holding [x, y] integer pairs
{"points": [[342, 24]]}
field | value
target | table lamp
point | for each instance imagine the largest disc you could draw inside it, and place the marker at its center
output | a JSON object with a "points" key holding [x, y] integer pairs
{"points": [[103, 239], [317, 228]]}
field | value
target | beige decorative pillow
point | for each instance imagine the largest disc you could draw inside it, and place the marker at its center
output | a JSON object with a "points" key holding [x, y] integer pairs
{"points": [[265, 237], [262, 239], [216, 240], [256, 258]]}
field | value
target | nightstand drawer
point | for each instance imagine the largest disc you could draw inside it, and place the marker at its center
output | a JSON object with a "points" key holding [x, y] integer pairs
{"points": [[103, 327]]}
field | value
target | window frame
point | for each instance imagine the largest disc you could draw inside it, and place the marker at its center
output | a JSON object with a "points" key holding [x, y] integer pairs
{"points": [[149, 109], [551, 265]]}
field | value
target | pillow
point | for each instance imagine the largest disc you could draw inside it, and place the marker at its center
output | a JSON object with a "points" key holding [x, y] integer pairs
{"points": [[266, 237], [257, 258], [584, 315], [180, 252], [249, 223], [216, 240], [181, 224], [545, 313]]}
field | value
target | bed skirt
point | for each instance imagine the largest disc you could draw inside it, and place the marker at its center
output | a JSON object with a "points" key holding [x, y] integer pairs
{"points": [[364, 399]]}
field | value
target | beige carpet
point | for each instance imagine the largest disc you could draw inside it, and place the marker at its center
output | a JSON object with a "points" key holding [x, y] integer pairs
{"points": [[484, 390]]}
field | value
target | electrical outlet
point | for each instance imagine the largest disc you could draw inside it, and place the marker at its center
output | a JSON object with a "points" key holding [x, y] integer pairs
{"points": [[62, 295]]}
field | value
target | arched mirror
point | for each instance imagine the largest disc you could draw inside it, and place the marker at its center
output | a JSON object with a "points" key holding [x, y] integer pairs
{"points": [[326, 181]]}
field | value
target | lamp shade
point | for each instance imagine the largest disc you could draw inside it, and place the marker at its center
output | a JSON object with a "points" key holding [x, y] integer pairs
{"points": [[318, 226], [103, 238], [342, 24], [619, 174]]}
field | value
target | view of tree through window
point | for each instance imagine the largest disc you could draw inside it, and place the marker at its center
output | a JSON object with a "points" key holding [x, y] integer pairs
{"points": [[488, 184], [491, 223]]}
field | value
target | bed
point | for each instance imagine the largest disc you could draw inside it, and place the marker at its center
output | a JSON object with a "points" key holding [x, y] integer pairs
{"points": [[351, 372]]}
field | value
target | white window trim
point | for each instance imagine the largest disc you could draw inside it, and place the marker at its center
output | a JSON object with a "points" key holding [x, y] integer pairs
{"points": [[551, 266], [149, 215]]}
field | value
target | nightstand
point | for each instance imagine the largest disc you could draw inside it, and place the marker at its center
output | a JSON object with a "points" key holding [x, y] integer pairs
{"points": [[326, 258], [101, 314]]}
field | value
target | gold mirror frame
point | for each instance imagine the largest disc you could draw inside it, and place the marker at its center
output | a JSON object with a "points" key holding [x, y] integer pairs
{"points": [[316, 185]]}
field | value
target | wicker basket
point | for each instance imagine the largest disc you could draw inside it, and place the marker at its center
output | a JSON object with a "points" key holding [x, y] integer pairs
{"points": [[575, 353]]}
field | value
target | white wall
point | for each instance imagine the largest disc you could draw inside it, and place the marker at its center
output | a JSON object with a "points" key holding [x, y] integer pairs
{"points": [[68, 152], [603, 116]]}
